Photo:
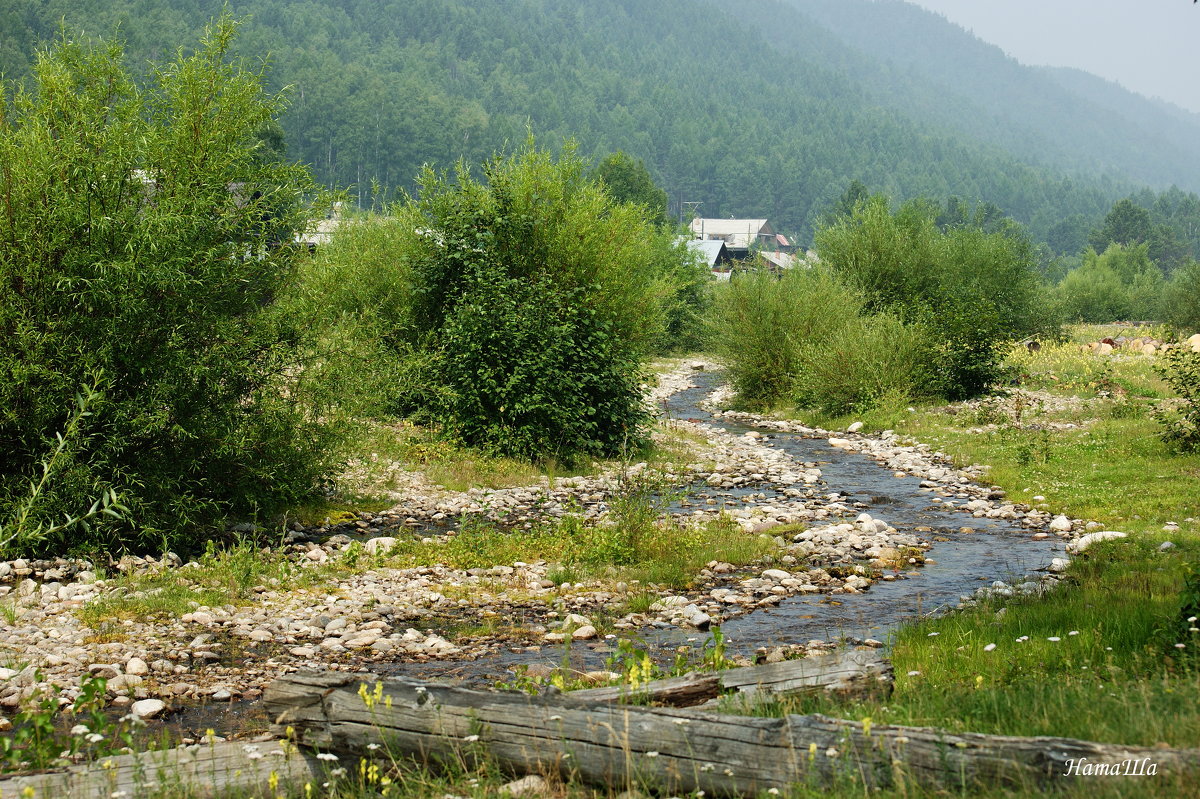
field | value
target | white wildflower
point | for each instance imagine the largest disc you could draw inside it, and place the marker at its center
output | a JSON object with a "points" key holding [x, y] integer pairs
{"points": [[989, 647], [470, 738], [326, 756], [652, 754], [1053, 638], [80, 729]]}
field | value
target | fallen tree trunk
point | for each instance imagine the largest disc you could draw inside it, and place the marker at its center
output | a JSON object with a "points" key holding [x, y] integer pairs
{"points": [[201, 770], [672, 749], [856, 672]]}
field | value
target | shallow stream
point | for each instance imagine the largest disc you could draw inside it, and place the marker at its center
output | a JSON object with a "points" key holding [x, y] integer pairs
{"points": [[967, 552]]}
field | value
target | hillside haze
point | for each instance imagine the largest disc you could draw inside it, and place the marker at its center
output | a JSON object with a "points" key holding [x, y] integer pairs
{"points": [[754, 108]]}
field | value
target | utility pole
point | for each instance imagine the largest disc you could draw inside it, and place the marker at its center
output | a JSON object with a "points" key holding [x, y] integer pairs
{"points": [[689, 210]]}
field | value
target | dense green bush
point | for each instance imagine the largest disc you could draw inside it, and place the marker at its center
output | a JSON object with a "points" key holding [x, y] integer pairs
{"points": [[762, 325], [867, 361], [970, 289], [1120, 284], [144, 237], [515, 309], [1180, 367], [1181, 299]]}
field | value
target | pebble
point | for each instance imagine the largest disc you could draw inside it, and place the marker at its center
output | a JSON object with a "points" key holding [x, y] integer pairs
{"points": [[147, 708]]}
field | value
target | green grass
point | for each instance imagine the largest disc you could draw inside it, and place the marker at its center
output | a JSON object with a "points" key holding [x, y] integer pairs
{"points": [[224, 576], [653, 553]]}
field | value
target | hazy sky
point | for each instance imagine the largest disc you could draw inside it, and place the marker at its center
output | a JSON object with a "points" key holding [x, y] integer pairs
{"points": [[1149, 46]]}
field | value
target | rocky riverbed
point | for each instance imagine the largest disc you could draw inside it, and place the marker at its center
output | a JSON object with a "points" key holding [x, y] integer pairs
{"points": [[824, 543]]}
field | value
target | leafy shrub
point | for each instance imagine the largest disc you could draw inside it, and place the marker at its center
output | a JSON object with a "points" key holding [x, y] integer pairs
{"points": [[864, 363], [1180, 367], [1122, 283], [762, 325], [533, 372], [970, 289], [146, 235], [1181, 299], [516, 309]]}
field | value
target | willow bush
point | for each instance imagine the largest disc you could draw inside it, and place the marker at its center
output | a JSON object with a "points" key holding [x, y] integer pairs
{"points": [[516, 304], [146, 232]]}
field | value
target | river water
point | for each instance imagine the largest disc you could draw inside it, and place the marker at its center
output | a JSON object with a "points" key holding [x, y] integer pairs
{"points": [[959, 563]]}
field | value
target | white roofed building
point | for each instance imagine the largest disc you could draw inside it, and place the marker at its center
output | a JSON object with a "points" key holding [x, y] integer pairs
{"points": [[738, 234]]}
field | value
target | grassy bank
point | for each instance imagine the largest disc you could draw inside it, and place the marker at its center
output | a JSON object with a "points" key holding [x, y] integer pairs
{"points": [[1099, 658]]}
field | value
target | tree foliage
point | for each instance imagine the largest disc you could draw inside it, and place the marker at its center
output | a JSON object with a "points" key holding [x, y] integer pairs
{"points": [[521, 302], [1122, 283], [771, 118], [142, 242], [970, 289], [628, 181]]}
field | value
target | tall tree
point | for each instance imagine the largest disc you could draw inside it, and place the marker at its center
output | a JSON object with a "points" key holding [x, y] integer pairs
{"points": [[628, 181]]}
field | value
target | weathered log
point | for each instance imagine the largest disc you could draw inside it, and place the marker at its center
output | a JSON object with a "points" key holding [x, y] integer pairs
{"points": [[201, 770], [852, 672], [674, 749]]}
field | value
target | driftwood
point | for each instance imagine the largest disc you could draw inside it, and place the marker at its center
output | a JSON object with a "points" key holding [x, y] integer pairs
{"points": [[859, 671], [675, 749], [204, 769]]}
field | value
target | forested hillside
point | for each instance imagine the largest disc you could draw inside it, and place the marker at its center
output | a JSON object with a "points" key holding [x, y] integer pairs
{"points": [[752, 107], [915, 59]]}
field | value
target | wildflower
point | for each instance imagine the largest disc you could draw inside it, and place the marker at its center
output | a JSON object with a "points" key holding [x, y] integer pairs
{"points": [[79, 729], [1053, 638], [470, 738], [831, 752], [708, 767], [372, 747], [728, 772], [933, 634], [914, 673], [326, 756], [1192, 619], [773, 791], [1180, 646], [1022, 639], [556, 718], [1073, 632], [652, 754], [338, 772], [93, 738], [989, 647]]}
